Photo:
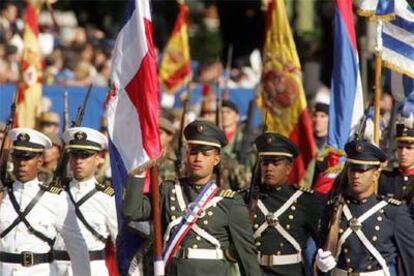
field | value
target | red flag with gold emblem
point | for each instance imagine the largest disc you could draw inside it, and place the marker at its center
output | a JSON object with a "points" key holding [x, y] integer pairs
{"points": [[29, 87], [175, 67], [282, 94]]}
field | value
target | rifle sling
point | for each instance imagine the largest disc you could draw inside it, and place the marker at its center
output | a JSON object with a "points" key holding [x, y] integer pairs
{"points": [[21, 217], [80, 215]]}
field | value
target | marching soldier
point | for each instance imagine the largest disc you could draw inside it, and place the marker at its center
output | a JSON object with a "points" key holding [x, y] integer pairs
{"points": [[32, 213], [94, 202], [51, 159], [373, 230], [285, 216], [218, 230], [167, 168], [399, 183]]}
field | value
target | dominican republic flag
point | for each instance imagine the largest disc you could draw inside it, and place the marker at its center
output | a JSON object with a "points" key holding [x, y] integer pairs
{"points": [[132, 112], [346, 105]]}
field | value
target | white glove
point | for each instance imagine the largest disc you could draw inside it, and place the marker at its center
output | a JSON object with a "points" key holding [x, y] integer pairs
{"points": [[325, 261]]}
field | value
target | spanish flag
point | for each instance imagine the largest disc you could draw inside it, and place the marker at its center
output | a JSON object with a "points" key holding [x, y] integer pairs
{"points": [[175, 67], [29, 95], [282, 94]]}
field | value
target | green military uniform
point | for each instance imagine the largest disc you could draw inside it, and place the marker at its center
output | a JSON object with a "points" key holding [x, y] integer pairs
{"points": [[285, 216], [236, 169], [222, 233]]}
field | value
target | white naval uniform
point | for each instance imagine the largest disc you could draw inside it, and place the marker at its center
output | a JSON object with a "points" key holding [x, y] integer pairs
{"points": [[52, 214], [100, 212]]}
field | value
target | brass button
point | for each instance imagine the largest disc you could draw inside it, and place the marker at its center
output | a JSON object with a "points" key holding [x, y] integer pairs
{"points": [[348, 260], [258, 243], [172, 208], [404, 187], [282, 244], [172, 198], [293, 207], [345, 250], [290, 217], [173, 191], [369, 267], [287, 226], [278, 253], [173, 217], [256, 226], [374, 238], [381, 211], [377, 227], [195, 246], [379, 218], [205, 222], [210, 213], [198, 238], [341, 230], [350, 270], [254, 216]]}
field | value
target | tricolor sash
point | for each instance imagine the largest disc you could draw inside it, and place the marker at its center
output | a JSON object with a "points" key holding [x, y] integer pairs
{"points": [[194, 211]]}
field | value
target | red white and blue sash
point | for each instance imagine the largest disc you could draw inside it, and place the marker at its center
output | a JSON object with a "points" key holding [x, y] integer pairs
{"points": [[192, 213]]}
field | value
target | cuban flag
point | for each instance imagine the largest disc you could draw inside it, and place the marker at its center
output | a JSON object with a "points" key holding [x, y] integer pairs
{"points": [[346, 105], [132, 112], [377, 9]]}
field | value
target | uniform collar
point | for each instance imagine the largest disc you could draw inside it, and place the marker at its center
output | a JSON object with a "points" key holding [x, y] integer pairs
{"points": [[350, 199], [408, 172], [278, 188], [84, 185], [27, 186]]}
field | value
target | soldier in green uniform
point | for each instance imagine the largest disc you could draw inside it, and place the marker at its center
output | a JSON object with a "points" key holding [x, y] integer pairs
{"points": [[167, 167], [220, 230], [285, 216], [234, 171], [51, 158]]}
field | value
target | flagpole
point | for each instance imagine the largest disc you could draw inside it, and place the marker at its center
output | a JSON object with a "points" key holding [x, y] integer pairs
{"points": [[156, 216], [378, 69]]}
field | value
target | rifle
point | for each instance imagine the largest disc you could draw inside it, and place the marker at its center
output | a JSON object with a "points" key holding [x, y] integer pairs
{"points": [[6, 143], [228, 71], [245, 146], [66, 111], [60, 172], [180, 164]]}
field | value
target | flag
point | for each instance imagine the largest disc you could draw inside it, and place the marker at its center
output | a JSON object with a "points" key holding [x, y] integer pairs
{"points": [[399, 85], [29, 87], [175, 67], [132, 112], [397, 51], [346, 105], [282, 94], [377, 9]]}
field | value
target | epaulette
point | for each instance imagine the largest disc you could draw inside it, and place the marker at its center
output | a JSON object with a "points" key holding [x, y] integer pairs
{"points": [[105, 189], [227, 193], [304, 189], [394, 201], [51, 188]]}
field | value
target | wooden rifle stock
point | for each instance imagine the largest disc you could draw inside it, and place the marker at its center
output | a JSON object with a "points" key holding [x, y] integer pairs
{"points": [[331, 243]]}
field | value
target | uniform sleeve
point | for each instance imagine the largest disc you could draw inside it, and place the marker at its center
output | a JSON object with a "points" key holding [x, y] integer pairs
{"points": [[67, 226], [242, 236], [136, 205], [111, 219], [315, 207], [404, 238]]}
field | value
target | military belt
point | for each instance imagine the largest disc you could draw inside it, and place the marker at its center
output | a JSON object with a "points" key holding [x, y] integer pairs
{"points": [[271, 260], [26, 258], [202, 254], [341, 272], [94, 255]]}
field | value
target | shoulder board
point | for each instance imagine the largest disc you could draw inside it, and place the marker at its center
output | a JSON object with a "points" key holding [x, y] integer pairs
{"points": [[304, 189], [227, 193], [51, 188], [105, 189], [394, 201]]}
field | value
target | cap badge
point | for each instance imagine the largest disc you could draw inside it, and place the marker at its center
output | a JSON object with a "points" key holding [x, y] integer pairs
{"points": [[80, 135], [269, 140], [359, 148], [23, 137], [200, 129]]}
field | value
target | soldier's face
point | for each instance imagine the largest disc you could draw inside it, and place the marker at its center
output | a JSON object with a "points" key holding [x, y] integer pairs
{"points": [[229, 117], [25, 168], [84, 166], [200, 164], [405, 154], [361, 183], [320, 123], [165, 138], [275, 173]]}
